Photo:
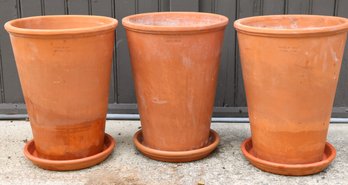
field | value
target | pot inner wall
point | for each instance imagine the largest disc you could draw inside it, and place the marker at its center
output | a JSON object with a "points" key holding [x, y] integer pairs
{"points": [[293, 22], [173, 22], [60, 22], [176, 20], [292, 25]]}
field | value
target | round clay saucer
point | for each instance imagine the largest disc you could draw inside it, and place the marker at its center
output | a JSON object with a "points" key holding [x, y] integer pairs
{"points": [[289, 169], [65, 165], [176, 156]]}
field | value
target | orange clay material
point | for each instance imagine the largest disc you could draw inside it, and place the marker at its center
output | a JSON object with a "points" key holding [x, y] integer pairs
{"points": [[64, 65], [175, 60], [290, 65]]}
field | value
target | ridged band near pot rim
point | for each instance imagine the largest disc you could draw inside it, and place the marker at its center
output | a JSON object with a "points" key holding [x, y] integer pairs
{"points": [[105, 24], [174, 29], [241, 26]]}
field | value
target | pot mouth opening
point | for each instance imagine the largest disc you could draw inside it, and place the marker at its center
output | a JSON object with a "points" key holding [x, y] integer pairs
{"points": [[174, 21], [291, 24], [60, 24]]}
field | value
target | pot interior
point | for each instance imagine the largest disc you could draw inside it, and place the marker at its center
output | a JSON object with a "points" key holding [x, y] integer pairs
{"points": [[293, 22], [176, 19], [60, 22]]}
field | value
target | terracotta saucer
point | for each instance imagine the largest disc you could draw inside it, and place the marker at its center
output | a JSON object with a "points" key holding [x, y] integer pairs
{"points": [[176, 156], [289, 169], [65, 165]]}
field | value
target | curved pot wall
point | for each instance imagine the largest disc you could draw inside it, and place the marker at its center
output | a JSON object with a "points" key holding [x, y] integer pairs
{"points": [[290, 67], [175, 61], [64, 67]]}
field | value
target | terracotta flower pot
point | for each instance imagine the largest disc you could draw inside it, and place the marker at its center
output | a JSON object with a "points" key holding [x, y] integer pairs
{"points": [[291, 65], [175, 62], [64, 67]]}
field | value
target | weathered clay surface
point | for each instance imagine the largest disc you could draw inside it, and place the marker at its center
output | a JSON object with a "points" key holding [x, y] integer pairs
{"points": [[290, 78], [64, 65], [175, 70]]}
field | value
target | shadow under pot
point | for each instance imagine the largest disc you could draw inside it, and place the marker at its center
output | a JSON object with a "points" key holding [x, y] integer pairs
{"points": [[290, 66], [64, 65], [175, 60]]}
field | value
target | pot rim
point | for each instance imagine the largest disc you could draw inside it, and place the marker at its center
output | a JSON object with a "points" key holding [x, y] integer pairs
{"points": [[109, 23], [221, 23], [241, 26]]}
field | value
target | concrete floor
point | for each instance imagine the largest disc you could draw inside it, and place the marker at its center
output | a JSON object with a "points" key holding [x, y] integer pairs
{"points": [[127, 166]]}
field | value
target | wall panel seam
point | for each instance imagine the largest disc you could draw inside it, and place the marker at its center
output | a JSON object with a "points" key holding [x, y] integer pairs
{"points": [[42, 3], [261, 4], [115, 57], [336, 7], [235, 57], [19, 9], [310, 7], [2, 95], [90, 8], [286, 6], [66, 7], [136, 4]]}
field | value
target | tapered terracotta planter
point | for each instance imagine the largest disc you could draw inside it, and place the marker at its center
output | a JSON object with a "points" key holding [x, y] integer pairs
{"points": [[175, 61], [291, 65], [64, 67]]}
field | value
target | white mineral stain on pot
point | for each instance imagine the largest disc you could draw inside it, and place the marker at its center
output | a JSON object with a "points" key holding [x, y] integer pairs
{"points": [[293, 24], [324, 61], [334, 55], [57, 82], [158, 100], [173, 21], [34, 51], [187, 62], [143, 101]]}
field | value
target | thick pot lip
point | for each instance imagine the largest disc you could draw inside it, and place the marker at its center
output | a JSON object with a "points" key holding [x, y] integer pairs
{"points": [[241, 26], [131, 25], [108, 24]]}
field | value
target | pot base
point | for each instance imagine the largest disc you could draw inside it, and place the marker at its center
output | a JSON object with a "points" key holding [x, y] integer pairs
{"points": [[65, 165], [176, 156], [289, 169]]}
